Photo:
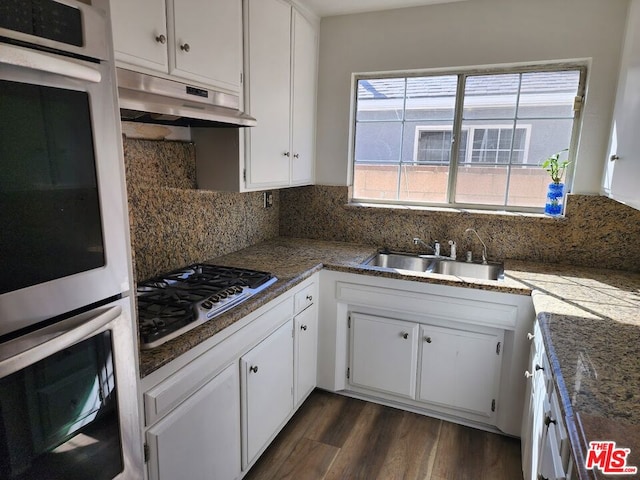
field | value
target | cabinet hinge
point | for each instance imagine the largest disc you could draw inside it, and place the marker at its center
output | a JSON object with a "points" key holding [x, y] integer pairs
{"points": [[348, 373], [493, 405], [498, 348], [349, 321], [241, 78], [145, 452], [244, 174]]}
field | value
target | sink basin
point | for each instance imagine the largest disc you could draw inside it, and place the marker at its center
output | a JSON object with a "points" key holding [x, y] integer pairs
{"points": [[402, 261], [437, 265], [491, 271]]}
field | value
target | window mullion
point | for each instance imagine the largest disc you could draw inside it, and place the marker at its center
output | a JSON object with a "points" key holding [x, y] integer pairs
{"points": [[404, 118], [513, 138], [455, 139]]}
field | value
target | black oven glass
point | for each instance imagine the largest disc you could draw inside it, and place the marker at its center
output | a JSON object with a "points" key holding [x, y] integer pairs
{"points": [[50, 215], [59, 417]]}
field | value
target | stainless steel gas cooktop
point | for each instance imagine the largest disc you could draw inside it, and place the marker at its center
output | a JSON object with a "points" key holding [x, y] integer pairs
{"points": [[175, 302]]}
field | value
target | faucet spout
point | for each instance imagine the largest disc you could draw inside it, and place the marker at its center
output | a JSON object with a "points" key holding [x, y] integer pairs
{"points": [[484, 246], [435, 248]]}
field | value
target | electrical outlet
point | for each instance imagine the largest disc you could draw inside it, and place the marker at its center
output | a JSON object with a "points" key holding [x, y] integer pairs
{"points": [[267, 199]]}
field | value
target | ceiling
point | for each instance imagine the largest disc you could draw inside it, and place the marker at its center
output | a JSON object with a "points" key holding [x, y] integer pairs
{"points": [[327, 8]]}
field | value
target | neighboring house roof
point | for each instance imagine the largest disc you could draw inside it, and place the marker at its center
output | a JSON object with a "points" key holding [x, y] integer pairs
{"points": [[443, 86]]}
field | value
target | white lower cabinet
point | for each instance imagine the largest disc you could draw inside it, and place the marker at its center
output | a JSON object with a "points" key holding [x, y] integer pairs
{"points": [[212, 411], [384, 354], [200, 439], [460, 368], [267, 381], [545, 445]]}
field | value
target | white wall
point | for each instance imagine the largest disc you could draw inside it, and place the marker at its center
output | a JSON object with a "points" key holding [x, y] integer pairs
{"points": [[471, 33]]}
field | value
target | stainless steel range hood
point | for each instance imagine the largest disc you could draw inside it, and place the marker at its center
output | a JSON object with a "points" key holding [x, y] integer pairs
{"points": [[149, 99]]}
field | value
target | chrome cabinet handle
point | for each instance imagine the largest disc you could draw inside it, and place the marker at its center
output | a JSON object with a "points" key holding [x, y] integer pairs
{"points": [[303, 327], [427, 339], [161, 39], [185, 48], [530, 336], [254, 369], [404, 335], [296, 155], [613, 158], [528, 374], [310, 298], [548, 420], [286, 154], [538, 367]]}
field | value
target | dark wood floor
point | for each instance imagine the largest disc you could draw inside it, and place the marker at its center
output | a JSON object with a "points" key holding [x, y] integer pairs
{"points": [[333, 437]]}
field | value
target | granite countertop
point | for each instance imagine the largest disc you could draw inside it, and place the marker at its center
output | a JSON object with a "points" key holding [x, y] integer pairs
{"points": [[590, 320]]}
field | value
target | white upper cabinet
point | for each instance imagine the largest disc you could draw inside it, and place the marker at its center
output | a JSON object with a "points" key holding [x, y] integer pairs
{"points": [[197, 40], [622, 173], [281, 94]]}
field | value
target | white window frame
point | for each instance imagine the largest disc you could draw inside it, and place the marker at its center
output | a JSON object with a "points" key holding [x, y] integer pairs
{"points": [[462, 75]]}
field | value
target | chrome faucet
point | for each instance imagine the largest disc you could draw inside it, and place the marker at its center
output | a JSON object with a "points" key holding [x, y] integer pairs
{"points": [[435, 248], [484, 247]]}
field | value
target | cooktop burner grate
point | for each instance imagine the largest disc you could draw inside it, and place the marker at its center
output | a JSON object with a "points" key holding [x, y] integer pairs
{"points": [[175, 302]]}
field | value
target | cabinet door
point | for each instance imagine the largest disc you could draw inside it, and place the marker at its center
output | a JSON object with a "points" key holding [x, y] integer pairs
{"points": [[621, 177], [384, 354], [306, 328], [460, 369], [267, 378], [207, 41], [303, 100], [269, 56], [140, 33], [200, 439]]}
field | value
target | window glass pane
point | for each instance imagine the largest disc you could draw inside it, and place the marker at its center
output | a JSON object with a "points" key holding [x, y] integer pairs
{"points": [[378, 141], [431, 98], [481, 184], [548, 94], [528, 186], [547, 138], [375, 181], [491, 96], [380, 99], [424, 183]]}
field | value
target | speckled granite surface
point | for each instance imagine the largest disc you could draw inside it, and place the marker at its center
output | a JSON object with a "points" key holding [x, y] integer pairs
{"points": [[590, 319], [591, 325], [172, 223], [596, 231]]}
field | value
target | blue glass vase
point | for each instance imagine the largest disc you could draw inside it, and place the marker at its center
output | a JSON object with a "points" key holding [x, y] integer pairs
{"points": [[555, 195]]}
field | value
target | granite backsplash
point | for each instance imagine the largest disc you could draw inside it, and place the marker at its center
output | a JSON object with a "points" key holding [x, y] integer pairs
{"points": [[595, 232], [174, 224]]}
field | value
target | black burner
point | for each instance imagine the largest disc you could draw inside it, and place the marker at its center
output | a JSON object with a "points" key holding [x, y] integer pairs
{"points": [[172, 303]]}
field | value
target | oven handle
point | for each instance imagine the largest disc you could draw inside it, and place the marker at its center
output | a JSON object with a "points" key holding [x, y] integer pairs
{"points": [[45, 62], [33, 347]]}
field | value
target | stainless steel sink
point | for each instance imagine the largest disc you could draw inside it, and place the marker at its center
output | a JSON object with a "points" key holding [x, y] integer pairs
{"points": [[437, 265], [490, 271], [402, 261]]}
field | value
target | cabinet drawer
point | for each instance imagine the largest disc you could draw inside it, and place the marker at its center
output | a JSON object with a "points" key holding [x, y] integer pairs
{"points": [[304, 298]]}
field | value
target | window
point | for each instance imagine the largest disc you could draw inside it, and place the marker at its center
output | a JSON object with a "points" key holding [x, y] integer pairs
{"points": [[465, 139]]}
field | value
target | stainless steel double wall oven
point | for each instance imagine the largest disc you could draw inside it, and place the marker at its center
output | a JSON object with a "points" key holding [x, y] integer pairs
{"points": [[68, 401]]}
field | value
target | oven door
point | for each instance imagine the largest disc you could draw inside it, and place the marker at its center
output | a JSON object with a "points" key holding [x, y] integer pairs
{"points": [[63, 229], [68, 406]]}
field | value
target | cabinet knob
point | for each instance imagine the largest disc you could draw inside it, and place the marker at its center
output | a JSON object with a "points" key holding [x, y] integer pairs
{"points": [[310, 298], [548, 420], [286, 154], [528, 374], [404, 335], [296, 155], [427, 339], [530, 336], [161, 39], [303, 327], [538, 367], [254, 369], [613, 158], [185, 48]]}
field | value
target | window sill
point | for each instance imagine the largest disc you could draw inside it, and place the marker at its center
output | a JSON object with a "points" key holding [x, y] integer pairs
{"points": [[449, 211]]}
